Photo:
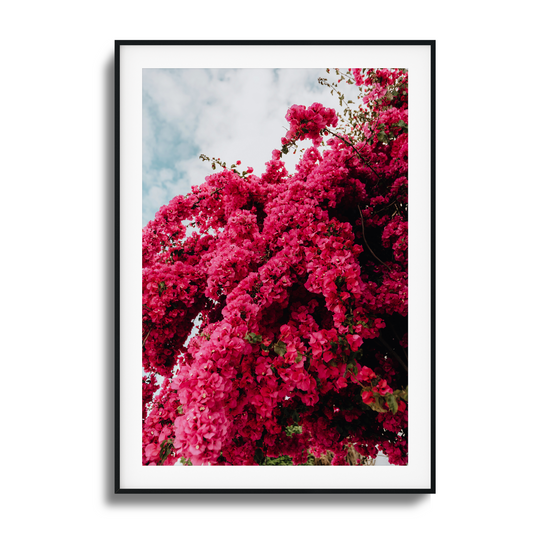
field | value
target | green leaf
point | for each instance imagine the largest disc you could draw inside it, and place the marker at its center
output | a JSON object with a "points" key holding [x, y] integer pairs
{"points": [[339, 281], [253, 338], [401, 394], [294, 429], [401, 124], [166, 449], [383, 137], [280, 348], [392, 403], [162, 287], [282, 460], [378, 404]]}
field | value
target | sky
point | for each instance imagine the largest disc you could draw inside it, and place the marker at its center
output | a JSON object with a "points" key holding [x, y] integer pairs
{"points": [[234, 114]]}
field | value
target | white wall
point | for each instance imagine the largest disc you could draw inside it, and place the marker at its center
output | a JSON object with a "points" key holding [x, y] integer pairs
{"points": [[57, 267]]}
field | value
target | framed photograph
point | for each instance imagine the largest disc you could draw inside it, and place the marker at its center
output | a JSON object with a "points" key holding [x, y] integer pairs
{"points": [[275, 267]]}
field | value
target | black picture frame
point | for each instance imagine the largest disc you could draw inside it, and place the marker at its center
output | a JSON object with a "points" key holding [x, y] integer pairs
{"points": [[126, 99]]}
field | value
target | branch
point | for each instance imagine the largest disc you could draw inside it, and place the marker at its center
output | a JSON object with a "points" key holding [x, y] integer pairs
{"points": [[144, 341], [355, 150], [364, 238], [389, 348]]}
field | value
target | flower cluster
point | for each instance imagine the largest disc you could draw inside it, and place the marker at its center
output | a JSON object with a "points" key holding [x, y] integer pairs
{"points": [[308, 123], [298, 286], [158, 428]]}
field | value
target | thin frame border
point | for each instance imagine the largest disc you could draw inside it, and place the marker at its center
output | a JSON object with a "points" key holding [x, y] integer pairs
{"points": [[432, 46]]}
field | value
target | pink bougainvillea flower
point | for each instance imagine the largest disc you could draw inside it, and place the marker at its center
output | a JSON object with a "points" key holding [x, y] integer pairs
{"points": [[366, 374], [383, 388], [355, 342], [368, 397]]}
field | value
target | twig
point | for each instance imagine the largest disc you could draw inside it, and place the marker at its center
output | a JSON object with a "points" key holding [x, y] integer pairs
{"points": [[144, 341]]}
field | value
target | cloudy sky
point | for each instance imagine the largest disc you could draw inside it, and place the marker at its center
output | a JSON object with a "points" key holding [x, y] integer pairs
{"points": [[234, 114]]}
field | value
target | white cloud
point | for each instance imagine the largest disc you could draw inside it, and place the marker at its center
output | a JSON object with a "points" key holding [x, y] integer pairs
{"points": [[236, 114]]}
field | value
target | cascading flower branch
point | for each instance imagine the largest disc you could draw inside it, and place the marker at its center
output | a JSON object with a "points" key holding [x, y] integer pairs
{"points": [[299, 286]]}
